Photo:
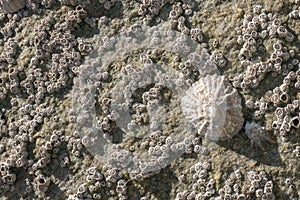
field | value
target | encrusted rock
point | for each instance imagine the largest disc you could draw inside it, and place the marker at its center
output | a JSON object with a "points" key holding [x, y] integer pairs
{"points": [[214, 108]]}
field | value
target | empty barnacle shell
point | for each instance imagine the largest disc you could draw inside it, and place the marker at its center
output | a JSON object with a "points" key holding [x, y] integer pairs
{"points": [[214, 107], [11, 6], [295, 122]]}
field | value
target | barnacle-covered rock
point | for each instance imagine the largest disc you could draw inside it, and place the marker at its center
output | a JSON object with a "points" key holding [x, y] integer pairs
{"points": [[11, 6], [213, 106]]}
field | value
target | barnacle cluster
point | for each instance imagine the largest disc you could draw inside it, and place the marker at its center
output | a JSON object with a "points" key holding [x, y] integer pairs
{"points": [[150, 99]]}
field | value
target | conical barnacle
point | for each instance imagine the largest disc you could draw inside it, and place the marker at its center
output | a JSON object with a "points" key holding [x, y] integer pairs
{"points": [[213, 106], [11, 6]]}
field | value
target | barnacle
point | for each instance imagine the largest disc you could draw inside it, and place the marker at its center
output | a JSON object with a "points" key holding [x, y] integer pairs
{"points": [[11, 6], [214, 108]]}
